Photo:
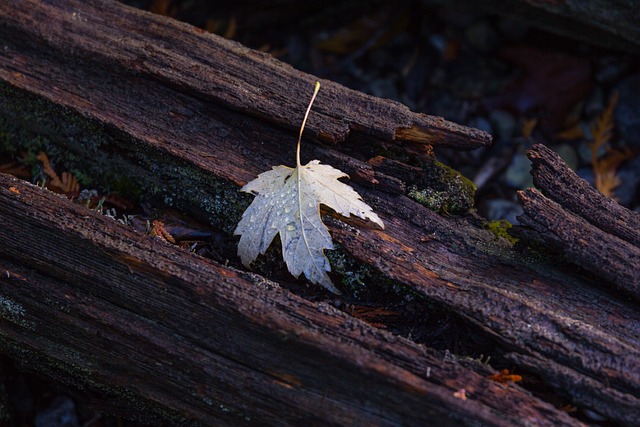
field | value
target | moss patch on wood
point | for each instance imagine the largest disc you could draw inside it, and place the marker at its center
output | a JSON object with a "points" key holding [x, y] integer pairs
{"points": [[112, 160], [500, 229], [444, 190]]}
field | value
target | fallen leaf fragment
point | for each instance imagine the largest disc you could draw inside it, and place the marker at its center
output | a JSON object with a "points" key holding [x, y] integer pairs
{"points": [[288, 203], [158, 230], [504, 376], [461, 394], [605, 166]]}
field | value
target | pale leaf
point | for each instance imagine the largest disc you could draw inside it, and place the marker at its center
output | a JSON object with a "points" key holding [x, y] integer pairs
{"points": [[288, 202]]}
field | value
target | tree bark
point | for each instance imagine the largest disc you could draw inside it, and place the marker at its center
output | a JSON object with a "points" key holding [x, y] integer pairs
{"points": [[101, 305], [588, 228], [191, 117]]}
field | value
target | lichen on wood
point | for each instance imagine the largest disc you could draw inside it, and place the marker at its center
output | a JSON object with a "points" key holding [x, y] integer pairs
{"points": [[444, 189]]}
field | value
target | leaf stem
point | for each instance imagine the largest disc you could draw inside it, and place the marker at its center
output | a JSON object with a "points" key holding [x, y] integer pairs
{"points": [[304, 121]]}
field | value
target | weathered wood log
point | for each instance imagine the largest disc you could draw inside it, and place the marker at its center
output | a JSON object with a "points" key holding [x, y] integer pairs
{"points": [[608, 257], [559, 183], [117, 311], [119, 100], [588, 228], [228, 74]]}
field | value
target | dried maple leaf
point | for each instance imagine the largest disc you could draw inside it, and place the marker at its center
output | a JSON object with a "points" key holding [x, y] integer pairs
{"points": [[549, 85], [288, 203]]}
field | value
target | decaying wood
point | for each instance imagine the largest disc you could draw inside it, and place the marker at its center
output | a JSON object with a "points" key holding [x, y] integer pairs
{"points": [[588, 228], [226, 73], [123, 313], [191, 117], [598, 252], [559, 183]]}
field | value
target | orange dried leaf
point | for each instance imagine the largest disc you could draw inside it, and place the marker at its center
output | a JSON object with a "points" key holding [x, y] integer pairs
{"points": [[163, 7], [69, 183], [159, 231], [372, 315], [603, 125], [504, 377], [48, 170], [574, 132], [569, 409], [16, 169], [363, 312], [461, 394], [369, 31], [232, 29], [14, 190], [604, 168], [213, 25]]}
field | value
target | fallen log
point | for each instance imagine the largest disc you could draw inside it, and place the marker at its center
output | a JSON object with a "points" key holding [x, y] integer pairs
{"points": [[119, 92], [91, 301], [559, 183], [576, 220]]}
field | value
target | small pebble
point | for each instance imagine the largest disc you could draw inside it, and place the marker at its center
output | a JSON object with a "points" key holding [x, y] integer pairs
{"points": [[504, 124], [595, 103], [629, 174], [480, 123], [568, 154], [586, 173], [517, 175], [610, 67], [385, 88], [61, 412]]}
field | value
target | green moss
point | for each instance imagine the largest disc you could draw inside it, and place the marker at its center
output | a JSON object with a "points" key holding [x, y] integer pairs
{"points": [[14, 313], [361, 281], [444, 190], [113, 161], [500, 229], [432, 199]]}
